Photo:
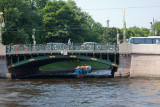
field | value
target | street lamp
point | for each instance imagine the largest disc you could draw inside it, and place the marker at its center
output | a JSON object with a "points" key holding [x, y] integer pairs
{"points": [[118, 42], [124, 28], [33, 36], [2, 24]]}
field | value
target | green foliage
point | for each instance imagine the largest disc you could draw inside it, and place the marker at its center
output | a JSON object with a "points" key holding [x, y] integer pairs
{"points": [[63, 20], [38, 4], [54, 21], [157, 25], [57, 18], [137, 32], [145, 32], [19, 20], [110, 35]]}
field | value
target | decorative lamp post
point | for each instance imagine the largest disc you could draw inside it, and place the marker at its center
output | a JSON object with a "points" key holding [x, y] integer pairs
{"points": [[118, 42], [1, 26], [33, 37], [124, 28]]}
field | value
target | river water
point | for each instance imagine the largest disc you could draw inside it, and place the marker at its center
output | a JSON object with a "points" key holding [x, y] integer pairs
{"points": [[80, 92]]}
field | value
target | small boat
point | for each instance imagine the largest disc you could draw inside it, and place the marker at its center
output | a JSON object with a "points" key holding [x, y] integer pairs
{"points": [[83, 69]]}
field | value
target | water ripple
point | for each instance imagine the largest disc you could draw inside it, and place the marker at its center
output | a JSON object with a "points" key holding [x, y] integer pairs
{"points": [[80, 92]]}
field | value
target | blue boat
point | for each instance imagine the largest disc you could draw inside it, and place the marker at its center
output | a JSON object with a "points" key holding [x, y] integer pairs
{"points": [[83, 69]]}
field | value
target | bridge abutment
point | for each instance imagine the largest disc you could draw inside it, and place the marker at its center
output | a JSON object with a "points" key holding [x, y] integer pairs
{"points": [[3, 63], [139, 60], [145, 65]]}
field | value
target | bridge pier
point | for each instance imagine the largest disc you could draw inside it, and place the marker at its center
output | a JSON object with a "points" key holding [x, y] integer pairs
{"points": [[124, 66], [3, 68]]}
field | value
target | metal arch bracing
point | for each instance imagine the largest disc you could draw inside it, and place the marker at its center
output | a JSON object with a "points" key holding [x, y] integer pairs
{"points": [[40, 58]]}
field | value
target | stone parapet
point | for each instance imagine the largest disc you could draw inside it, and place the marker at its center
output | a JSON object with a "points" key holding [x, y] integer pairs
{"points": [[139, 48], [125, 48]]}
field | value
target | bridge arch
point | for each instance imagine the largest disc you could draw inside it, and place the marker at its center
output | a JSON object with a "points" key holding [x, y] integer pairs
{"points": [[52, 57]]}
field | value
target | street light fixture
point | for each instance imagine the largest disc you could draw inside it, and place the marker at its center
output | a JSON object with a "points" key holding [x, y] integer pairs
{"points": [[1, 25], [33, 37]]}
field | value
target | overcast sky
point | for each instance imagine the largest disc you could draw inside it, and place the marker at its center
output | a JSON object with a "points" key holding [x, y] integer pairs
{"points": [[138, 12]]}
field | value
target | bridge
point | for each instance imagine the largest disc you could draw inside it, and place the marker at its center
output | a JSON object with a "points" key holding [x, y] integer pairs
{"points": [[25, 59]]}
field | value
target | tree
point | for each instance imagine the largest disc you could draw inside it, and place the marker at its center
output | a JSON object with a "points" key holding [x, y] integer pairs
{"points": [[20, 19], [110, 35], [137, 32], [38, 4], [63, 20], [54, 21], [157, 26], [92, 31], [145, 32]]}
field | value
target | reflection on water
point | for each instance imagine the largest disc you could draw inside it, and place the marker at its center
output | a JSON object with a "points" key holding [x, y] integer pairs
{"points": [[80, 93]]}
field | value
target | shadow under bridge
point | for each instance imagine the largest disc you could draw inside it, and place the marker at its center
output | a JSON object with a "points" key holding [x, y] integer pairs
{"points": [[31, 66]]}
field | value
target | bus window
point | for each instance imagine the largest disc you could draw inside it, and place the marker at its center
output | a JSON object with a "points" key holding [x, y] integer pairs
{"points": [[154, 40], [149, 40], [131, 40], [139, 40]]}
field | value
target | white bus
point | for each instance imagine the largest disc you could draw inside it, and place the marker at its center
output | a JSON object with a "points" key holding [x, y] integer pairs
{"points": [[145, 40]]}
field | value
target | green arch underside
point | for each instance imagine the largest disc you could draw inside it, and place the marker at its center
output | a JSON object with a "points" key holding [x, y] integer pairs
{"points": [[35, 59]]}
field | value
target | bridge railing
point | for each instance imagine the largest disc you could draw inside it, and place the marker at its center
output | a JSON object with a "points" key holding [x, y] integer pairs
{"points": [[30, 48]]}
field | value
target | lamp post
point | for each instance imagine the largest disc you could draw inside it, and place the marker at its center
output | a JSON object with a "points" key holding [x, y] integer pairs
{"points": [[1, 25], [118, 42], [33, 36], [124, 28]]}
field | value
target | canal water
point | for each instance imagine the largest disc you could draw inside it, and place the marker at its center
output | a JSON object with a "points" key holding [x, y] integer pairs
{"points": [[80, 92]]}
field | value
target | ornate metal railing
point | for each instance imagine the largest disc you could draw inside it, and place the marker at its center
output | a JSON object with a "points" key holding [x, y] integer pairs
{"points": [[51, 47]]}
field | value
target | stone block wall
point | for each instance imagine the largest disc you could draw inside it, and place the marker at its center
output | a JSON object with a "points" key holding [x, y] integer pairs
{"points": [[124, 66], [145, 66], [3, 67]]}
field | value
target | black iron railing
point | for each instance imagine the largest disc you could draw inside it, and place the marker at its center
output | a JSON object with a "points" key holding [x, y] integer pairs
{"points": [[30, 48]]}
